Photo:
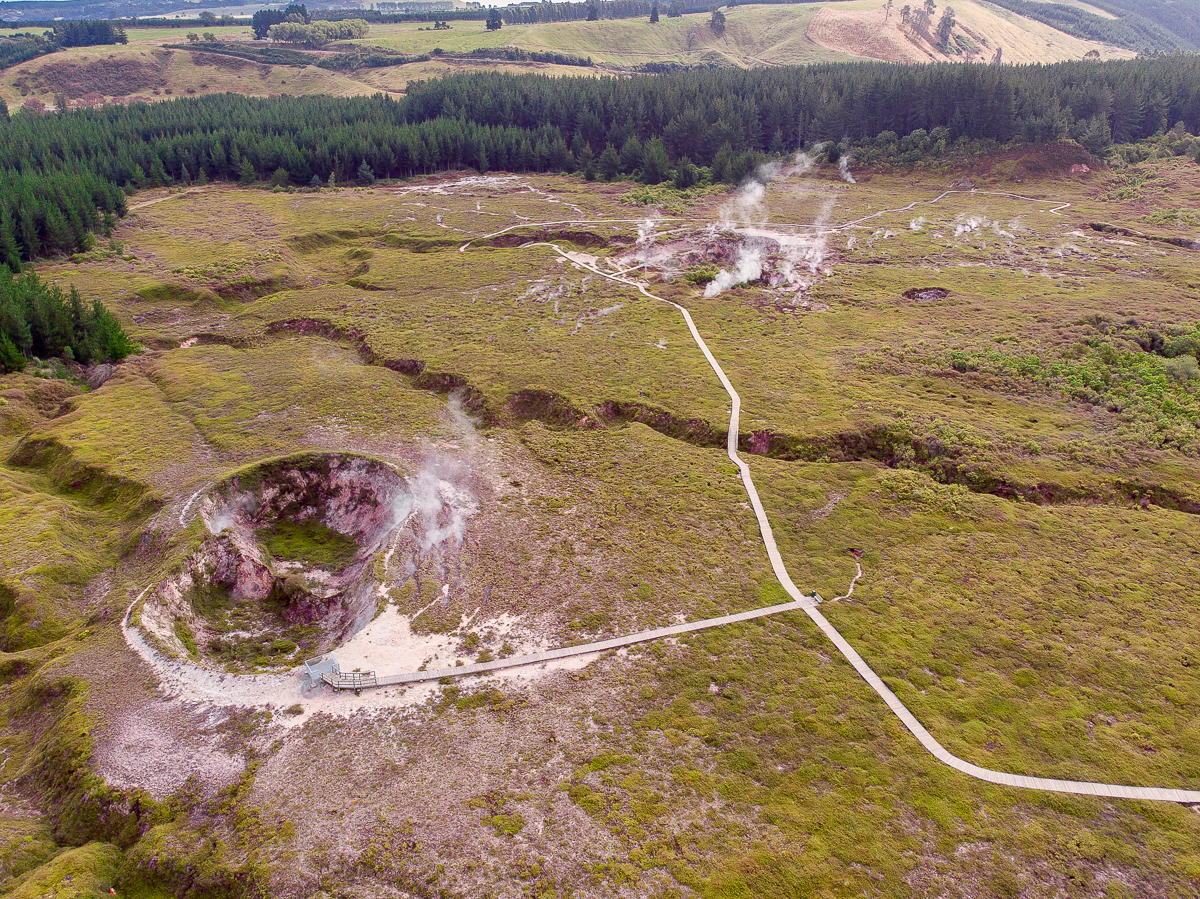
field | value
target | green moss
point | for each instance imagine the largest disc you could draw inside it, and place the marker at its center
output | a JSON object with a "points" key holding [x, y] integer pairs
{"points": [[86, 809], [175, 858], [83, 873], [509, 825], [24, 845], [187, 638], [311, 541]]}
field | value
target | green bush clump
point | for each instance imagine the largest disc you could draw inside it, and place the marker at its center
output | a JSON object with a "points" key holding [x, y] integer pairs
{"points": [[1182, 368], [11, 359], [1152, 388], [701, 275], [39, 319], [186, 637]]}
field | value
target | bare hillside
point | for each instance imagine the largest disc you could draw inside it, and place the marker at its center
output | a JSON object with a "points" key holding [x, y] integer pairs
{"points": [[979, 33]]}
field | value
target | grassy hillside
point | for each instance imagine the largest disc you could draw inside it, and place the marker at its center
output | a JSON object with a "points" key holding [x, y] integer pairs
{"points": [[142, 71], [754, 36], [1029, 545]]}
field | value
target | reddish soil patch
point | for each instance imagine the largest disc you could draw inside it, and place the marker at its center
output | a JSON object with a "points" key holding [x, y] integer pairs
{"points": [[110, 77]]}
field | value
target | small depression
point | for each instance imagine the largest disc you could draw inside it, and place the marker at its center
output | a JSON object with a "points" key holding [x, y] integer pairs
{"points": [[289, 566], [926, 294]]}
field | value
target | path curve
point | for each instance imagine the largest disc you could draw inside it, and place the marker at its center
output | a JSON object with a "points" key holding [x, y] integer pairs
{"points": [[926, 739]]}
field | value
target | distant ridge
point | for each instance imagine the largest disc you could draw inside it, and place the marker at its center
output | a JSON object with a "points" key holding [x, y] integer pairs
{"points": [[19, 11]]}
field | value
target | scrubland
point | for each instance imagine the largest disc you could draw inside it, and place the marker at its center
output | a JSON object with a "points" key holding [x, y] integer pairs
{"points": [[985, 395]]}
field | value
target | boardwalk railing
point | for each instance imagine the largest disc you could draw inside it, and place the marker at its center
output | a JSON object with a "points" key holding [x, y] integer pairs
{"points": [[350, 680], [320, 666]]}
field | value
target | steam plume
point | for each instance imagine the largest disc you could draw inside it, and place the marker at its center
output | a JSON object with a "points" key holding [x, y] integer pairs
{"points": [[748, 268], [844, 168]]}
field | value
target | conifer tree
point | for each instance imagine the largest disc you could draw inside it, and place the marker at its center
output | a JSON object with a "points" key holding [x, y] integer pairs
{"points": [[247, 177]]}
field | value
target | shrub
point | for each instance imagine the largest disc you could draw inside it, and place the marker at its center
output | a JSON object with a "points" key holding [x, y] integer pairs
{"points": [[1183, 368], [11, 359]]}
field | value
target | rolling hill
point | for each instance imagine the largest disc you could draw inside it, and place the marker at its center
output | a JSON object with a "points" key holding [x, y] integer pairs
{"points": [[756, 35]]}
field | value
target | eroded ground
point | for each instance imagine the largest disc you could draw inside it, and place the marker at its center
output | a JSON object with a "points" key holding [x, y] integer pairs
{"points": [[982, 392]]}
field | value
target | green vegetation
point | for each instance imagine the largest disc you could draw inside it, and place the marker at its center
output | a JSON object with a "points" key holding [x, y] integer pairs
{"points": [[993, 403], [89, 33], [263, 20], [497, 815], [1157, 25], [309, 540], [1142, 376], [187, 638], [39, 319], [18, 48], [83, 873], [318, 34], [723, 119]]}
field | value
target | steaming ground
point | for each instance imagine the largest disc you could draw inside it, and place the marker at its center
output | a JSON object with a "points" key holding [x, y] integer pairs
{"points": [[429, 524], [787, 260], [784, 258], [353, 770]]}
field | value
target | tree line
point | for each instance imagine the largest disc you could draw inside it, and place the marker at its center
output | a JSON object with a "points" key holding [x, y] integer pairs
{"points": [[61, 174], [318, 34], [1181, 19], [1130, 31], [17, 48], [39, 319], [265, 19]]}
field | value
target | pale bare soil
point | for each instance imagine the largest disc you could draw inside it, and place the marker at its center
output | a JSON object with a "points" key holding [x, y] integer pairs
{"points": [[876, 34]]}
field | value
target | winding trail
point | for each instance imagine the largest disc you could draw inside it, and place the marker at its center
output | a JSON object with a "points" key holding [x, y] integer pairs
{"points": [[926, 739], [809, 604]]}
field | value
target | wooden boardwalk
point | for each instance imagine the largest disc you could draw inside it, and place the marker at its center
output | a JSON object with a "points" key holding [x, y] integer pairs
{"points": [[1085, 788], [800, 602], [349, 680]]}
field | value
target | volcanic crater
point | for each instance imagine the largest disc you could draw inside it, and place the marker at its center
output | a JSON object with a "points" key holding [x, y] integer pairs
{"points": [[294, 551]]}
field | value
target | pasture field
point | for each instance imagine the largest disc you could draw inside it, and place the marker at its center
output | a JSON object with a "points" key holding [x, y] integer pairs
{"points": [[755, 35], [972, 381]]}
